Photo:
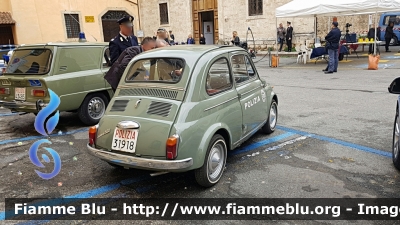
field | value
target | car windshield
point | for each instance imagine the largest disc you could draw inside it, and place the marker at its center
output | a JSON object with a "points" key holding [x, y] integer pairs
{"points": [[29, 61], [165, 70]]}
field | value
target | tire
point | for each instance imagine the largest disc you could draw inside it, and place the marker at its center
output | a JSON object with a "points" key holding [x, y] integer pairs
{"points": [[395, 142], [394, 41], [216, 152], [93, 108], [270, 125]]}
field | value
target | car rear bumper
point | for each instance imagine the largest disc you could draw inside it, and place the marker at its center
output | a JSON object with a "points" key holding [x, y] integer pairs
{"points": [[142, 163], [22, 106]]}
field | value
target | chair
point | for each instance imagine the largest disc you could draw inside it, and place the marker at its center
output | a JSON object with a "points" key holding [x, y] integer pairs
{"points": [[302, 55]]}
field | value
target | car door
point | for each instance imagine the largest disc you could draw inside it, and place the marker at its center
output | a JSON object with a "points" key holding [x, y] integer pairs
{"points": [[106, 64], [249, 89]]}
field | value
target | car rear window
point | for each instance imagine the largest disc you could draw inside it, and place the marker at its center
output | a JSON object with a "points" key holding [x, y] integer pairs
{"points": [[30, 61], [164, 70]]}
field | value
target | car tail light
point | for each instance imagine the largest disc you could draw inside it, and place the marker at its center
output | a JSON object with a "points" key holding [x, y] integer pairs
{"points": [[3, 70], [38, 93], [92, 135], [172, 147], [4, 91]]}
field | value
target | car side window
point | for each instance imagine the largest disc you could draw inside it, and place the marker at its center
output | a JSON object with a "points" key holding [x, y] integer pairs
{"points": [[106, 58], [250, 68], [239, 69], [78, 59], [218, 77]]}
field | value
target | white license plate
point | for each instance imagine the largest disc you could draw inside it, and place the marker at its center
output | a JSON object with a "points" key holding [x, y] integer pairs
{"points": [[20, 94], [124, 140]]}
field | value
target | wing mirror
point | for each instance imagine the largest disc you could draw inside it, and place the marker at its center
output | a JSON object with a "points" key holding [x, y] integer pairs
{"points": [[394, 87]]}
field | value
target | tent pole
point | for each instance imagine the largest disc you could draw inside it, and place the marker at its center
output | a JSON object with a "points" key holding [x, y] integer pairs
{"points": [[376, 32], [276, 42]]}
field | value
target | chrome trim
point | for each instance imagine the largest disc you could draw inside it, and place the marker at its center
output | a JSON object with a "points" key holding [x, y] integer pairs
{"points": [[212, 107], [137, 162], [128, 125], [250, 90], [20, 104], [250, 133], [143, 86]]}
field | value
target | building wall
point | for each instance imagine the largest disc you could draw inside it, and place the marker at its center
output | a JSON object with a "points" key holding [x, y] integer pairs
{"points": [[5, 6], [233, 16], [40, 21], [180, 17]]}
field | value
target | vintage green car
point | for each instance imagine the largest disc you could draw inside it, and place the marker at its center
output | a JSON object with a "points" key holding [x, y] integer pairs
{"points": [[74, 71], [183, 108]]}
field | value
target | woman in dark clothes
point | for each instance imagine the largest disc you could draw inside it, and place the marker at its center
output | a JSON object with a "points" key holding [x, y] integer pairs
{"points": [[388, 35], [202, 39], [235, 39]]}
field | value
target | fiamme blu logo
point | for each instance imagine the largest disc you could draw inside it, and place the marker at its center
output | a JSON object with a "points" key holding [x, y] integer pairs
{"points": [[45, 128]]}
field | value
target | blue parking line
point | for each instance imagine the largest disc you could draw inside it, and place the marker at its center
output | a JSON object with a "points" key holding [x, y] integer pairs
{"points": [[30, 138], [339, 142], [86, 194], [261, 143], [8, 114]]}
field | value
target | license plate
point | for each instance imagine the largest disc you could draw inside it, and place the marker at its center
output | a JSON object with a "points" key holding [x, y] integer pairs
{"points": [[124, 140], [19, 93]]}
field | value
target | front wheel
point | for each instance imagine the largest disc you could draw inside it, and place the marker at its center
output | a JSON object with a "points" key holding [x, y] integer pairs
{"points": [[93, 108], [395, 144], [269, 126], [214, 163]]}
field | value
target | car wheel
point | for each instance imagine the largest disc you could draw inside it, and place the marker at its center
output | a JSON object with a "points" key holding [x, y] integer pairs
{"points": [[395, 144], [269, 126], [93, 108], [214, 163], [394, 41]]}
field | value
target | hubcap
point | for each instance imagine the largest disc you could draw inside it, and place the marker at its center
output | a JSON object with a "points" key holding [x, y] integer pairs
{"points": [[216, 160], [96, 108], [396, 139], [272, 116]]}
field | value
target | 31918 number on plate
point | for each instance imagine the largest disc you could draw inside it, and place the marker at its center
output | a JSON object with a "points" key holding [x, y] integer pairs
{"points": [[124, 140]]}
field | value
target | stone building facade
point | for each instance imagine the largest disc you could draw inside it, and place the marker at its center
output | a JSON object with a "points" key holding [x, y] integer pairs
{"points": [[186, 17], [41, 21]]}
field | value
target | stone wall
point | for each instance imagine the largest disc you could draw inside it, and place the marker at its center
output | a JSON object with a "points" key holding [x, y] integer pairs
{"points": [[233, 16]]}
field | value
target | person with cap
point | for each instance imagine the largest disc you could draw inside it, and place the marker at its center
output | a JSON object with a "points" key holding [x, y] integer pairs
{"points": [[332, 45], [289, 36], [114, 74], [124, 39]]}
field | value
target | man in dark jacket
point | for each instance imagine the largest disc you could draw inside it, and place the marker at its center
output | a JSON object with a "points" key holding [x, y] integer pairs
{"points": [[332, 44], [289, 36], [114, 75], [124, 39], [371, 34], [388, 35]]}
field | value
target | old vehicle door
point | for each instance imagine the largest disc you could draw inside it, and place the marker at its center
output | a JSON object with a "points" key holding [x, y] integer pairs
{"points": [[250, 91]]}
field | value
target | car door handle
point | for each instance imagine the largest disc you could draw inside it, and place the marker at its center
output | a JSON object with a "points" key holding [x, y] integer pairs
{"points": [[239, 96]]}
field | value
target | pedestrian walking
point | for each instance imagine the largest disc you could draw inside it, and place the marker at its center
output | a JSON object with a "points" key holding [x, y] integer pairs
{"points": [[289, 36], [124, 39], [281, 31], [388, 35], [332, 45]]}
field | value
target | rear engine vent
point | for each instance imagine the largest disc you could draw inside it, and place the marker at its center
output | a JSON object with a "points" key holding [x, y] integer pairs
{"points": [[119, 106], [159, 108], [149, 92]]}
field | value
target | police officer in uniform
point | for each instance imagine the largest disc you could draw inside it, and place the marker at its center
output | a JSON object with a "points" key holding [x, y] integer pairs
{"points": [[124, 39]]}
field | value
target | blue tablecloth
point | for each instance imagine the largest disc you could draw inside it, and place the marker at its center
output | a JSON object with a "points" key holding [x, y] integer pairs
{"points": [[318, 52]]}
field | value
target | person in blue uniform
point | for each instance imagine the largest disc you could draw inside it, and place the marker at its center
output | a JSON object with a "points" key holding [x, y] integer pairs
{"points": [[124, 39]]}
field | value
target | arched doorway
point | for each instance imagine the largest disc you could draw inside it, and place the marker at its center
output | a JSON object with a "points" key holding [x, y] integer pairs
{"points": [[110, 25], [205, 20]]}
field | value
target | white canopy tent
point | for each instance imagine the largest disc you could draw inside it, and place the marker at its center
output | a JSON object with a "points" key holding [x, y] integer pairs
{"points": [[308, 8]]}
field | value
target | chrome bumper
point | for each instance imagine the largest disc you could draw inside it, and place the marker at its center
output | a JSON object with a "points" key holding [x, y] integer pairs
{"points": [[142, 163], [20, 105]]}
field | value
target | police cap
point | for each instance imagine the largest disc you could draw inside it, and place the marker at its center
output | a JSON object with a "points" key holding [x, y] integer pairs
{"points": [[126, 20]]}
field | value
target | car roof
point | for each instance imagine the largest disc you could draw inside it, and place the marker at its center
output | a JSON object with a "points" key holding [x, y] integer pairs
{"points": [[66, 44], [184, 51]]}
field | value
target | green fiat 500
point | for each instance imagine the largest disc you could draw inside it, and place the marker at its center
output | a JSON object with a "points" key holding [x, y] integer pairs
{"points": [[74, 71], [183, 108]]}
